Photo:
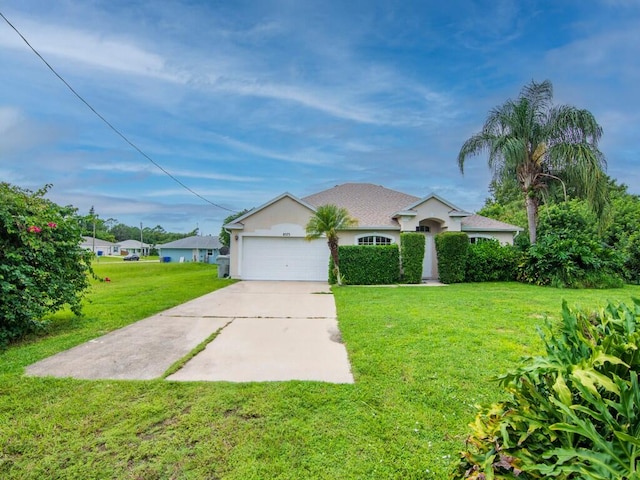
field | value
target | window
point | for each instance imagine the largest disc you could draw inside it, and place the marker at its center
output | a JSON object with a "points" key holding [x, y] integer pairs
{"points": [[209, 252], [375, 240], [474, 240], [423, 228]]}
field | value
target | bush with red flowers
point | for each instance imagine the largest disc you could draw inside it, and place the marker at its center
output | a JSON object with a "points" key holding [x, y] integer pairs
{"points": [[42, 266]]}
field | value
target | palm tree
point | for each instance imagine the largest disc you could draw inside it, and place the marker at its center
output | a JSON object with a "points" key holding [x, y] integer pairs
{"points": [[328, 220], [536, 143]]}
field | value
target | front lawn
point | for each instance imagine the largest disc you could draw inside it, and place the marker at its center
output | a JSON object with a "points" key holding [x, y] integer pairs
{"points": [[421, 357]]}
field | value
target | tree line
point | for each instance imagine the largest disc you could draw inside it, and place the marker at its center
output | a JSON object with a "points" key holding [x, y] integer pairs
{"points": [[111, 230]]}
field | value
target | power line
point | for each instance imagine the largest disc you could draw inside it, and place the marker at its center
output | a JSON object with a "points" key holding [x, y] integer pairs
{"points": [[118, 132]]}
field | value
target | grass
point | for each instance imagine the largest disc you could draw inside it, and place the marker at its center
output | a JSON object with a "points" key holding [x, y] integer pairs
{"points": [[421, 357]]}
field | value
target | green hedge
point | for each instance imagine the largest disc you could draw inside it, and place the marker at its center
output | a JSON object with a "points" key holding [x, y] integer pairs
{"points": [[488, 261], [367, 265], [452, 248], [412, 254]]}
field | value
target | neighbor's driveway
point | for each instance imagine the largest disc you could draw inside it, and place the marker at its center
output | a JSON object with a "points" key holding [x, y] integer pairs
{"points": [[268, 331]]}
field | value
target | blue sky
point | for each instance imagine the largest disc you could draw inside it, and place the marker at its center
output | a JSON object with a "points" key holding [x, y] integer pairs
{"points": [[245, 100]]}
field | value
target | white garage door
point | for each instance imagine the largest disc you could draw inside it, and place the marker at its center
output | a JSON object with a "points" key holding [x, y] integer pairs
{"points": [[284, 258]]}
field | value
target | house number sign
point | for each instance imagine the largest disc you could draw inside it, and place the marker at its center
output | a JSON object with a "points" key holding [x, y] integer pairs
{"points": [[286, 234]]}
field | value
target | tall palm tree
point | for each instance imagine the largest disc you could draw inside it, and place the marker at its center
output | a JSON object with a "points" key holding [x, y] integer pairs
{"points": [[328, 220], [537, 143]]}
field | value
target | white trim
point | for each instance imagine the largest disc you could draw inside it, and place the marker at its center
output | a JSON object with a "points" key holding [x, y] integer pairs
{"points": [[374, 234], [233, 226]]}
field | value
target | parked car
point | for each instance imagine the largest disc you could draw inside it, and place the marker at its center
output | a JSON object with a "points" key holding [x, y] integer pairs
{"points": [[132, 257]]}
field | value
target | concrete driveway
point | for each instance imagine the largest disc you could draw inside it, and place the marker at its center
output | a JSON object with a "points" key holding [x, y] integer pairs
{"points": [[267, 331]]}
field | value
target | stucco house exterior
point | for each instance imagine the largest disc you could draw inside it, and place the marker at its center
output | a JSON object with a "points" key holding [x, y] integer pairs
{"points": [[191, 249], [135, 246], [268, 242], [100, 247]]}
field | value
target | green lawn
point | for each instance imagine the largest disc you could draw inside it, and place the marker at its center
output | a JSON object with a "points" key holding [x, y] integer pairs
{"points": [[422, 357]]}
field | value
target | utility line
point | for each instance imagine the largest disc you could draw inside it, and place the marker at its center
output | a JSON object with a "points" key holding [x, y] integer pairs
{"points": [[118, 132]]}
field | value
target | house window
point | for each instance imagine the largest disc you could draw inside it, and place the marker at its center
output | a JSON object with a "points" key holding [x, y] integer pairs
{"points": [[474, 240], [423, 228], [375, 240], [209, 252]]}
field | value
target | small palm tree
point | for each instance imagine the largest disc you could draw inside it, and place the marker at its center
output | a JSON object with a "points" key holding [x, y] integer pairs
{"points": [[328, 220], [533, 142]]}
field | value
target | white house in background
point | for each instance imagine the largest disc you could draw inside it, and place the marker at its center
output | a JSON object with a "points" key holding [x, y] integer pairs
{"points": [[191, 249], [100, 247], [268, 242], [135, 246]]}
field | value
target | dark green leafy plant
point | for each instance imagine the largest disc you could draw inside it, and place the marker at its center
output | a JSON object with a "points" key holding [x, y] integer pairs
{"points": [[567, 261], [367, 265], [412, 254], [632, 258], [452, 248], [572, 414], [42, 267], [488, 261]]}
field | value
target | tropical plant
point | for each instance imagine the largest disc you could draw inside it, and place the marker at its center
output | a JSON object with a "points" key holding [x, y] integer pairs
{"points": [[328, 220], [571, 414], [537, 143], [42, 266]]}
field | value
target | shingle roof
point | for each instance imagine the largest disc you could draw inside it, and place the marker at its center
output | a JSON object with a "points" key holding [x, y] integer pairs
{"points": [[132, 244], [478, 222], [208, 242], [372, 205], [99, 243]]}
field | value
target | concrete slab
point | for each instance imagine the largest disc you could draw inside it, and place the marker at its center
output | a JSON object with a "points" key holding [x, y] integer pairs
{"points": [[274, 349], [141, 351], [273, 331], [263, 300]]}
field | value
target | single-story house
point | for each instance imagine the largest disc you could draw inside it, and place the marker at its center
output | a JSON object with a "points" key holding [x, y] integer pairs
{"points": [[100, 247], [191, 249], [135, 246], [268, 243]]}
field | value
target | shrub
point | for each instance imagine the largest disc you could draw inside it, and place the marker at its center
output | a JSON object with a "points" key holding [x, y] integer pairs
{"points": [[573, 262], [632, 258], [412, 254], [488, 261], [452, 248], [571, 414], [367, 265], [42, 267]]}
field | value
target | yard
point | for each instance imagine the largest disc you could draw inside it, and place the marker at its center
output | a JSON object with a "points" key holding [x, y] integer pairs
{"points": [[421, 357]]}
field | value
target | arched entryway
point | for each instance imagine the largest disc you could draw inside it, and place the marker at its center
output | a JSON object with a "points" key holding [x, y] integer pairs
{"points": [[430, 227]]}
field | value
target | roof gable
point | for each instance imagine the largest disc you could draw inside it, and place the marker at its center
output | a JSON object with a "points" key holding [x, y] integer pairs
{"points": [[237, 223], [455, 211], [371, 205]]}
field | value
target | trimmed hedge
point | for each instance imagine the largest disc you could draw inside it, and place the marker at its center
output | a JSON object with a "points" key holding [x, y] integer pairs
{"points": [[367, 264], [452, 249], [412, 255], [488, 261]]}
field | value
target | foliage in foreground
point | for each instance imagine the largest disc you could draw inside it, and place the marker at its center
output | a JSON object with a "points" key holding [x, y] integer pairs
{"points": [[42, 267], [572, 414]]}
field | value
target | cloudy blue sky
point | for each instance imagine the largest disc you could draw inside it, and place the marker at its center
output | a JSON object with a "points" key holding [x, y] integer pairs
{"points": [[244, 100]]}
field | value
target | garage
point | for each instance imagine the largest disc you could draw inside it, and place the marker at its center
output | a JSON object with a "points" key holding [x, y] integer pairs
{"points": [[284, 258]]}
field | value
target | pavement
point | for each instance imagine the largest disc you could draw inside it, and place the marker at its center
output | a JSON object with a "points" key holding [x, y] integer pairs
{"points": [[267, 331]]}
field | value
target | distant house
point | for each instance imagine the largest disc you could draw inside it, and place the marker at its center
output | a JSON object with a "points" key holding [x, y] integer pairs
{"points": [[100, 247], [191, 249], [135, 246]]}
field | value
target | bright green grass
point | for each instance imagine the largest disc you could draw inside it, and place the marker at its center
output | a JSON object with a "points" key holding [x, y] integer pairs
{"points": [[422, 357]]}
